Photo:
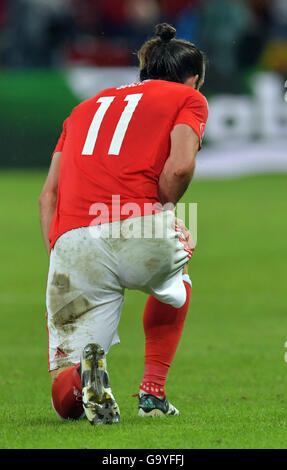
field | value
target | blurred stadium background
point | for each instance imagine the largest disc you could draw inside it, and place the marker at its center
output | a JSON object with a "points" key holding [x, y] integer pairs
{"points": [[54, 53], [229, 374]]}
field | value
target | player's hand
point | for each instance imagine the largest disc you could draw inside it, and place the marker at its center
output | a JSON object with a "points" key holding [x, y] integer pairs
{"points": [[185, 237]]}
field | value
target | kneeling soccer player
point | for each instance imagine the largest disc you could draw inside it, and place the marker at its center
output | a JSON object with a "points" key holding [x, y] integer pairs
{"points": [[121, 154]]}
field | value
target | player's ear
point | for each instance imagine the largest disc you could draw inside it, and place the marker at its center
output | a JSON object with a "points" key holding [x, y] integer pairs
{"points": [[192, 81]]}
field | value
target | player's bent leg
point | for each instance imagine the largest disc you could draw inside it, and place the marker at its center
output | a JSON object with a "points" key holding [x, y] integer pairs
{"points": [[80, 311], [157, 268], [163, 326]]}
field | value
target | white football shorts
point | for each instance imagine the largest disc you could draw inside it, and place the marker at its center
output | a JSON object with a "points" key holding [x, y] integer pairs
{"points": [[90, 268]]}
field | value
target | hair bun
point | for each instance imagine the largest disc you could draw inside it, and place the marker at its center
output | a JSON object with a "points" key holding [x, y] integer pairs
{"points": [[165, 32]]}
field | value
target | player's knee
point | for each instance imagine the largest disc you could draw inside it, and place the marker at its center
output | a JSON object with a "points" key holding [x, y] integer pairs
{"points": [[67, 395]]}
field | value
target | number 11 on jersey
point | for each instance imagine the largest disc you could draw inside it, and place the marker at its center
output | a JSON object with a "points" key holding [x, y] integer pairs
{"points": [[120, 131]]}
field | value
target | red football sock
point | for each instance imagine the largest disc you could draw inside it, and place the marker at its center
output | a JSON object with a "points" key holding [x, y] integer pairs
{"points": [[67, 394], [163, 325]]}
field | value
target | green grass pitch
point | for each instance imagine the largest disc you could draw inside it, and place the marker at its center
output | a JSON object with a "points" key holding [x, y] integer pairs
{"points": [[229, 378]]}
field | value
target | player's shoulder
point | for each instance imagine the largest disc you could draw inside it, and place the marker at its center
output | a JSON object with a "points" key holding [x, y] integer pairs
{"points": [[178, 90], [195, 100], [193, 94]]}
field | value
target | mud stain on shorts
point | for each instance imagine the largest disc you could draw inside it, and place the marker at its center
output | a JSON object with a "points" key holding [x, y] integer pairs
{"points": [[62, 282], [153, 264], [63, 356], [67, 316]]}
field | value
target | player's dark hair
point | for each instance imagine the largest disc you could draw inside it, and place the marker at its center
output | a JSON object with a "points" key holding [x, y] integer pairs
{"points": [[166, 58]]}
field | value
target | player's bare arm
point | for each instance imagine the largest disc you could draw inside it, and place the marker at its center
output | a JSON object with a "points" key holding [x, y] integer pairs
{"points": [[179, 167], [48, 197], [178, 171]]}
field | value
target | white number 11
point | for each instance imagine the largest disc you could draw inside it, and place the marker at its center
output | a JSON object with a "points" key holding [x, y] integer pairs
{"points": [[120, 131]]}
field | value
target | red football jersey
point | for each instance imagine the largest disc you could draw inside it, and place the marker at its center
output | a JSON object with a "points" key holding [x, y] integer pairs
{"points": [[114, 147]]}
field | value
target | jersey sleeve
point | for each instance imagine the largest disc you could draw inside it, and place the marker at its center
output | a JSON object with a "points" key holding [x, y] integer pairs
{"points": [[61, 141], [194, 113]]}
